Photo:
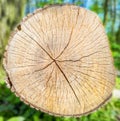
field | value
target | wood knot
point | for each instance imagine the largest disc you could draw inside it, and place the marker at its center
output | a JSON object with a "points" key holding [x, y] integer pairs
{"points": [[19, 27]]}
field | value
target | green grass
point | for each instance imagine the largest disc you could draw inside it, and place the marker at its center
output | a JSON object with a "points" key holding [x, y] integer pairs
{"points": [[2, 75], [117, 86]]}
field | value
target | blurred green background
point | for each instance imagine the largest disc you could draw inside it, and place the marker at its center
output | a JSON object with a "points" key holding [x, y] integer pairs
{"points": [[11, 12]]}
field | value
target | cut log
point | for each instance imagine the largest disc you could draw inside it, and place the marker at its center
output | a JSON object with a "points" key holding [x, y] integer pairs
{"points": [[59, 61]]}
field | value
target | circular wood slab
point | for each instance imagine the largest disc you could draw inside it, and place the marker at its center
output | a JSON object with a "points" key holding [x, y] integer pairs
{"points": [[59, 61]]}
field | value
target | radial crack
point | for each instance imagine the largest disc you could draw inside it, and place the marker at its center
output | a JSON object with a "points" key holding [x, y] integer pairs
{"points": [[69, 37], [38, 45], [68, 82]]}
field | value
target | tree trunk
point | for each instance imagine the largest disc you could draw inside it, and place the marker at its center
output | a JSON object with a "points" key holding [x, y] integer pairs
{"points": [[105, 11]]}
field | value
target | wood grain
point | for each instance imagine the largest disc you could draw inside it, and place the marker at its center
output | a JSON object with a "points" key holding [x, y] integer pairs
{"points": [[58, 60]]}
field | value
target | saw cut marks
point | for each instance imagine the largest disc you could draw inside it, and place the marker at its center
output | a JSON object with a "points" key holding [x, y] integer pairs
{"points": [[58, 60]]}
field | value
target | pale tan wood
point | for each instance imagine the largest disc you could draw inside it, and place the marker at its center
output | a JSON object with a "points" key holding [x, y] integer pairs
{"points": [[58, 60]]}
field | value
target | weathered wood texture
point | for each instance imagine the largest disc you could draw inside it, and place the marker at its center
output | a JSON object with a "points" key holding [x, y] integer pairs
{"points": [[58, 60]]}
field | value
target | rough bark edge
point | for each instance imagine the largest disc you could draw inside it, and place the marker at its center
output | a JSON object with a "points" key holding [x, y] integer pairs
{"points": [[63, 115], [9, 82]]}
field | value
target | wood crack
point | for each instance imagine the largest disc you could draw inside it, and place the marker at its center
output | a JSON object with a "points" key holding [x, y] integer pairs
{"points": [[39, 45], [69, 37], [80, 58], [67, 82]]}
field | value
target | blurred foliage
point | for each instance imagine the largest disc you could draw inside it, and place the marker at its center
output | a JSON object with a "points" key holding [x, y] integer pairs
{"points": [[11, 12], [118, 83], [109, 12]]}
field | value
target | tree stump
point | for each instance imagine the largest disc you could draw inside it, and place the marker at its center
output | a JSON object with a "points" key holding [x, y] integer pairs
{"points": [[58, 60]]}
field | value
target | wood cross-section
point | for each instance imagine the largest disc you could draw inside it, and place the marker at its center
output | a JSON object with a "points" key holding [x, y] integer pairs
{"points": [[58, 60]]}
